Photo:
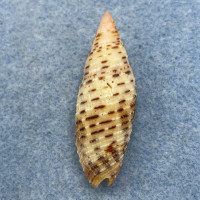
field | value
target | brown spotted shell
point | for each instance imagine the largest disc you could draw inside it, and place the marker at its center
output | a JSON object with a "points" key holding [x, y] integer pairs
{"points": [[105, 106]]}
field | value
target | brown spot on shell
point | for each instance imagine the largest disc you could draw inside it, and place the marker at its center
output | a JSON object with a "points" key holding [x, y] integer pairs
{"points": [[132, 105], [93, 140], [101, 78], [88, 82], [115, 47], [99, 107], [92, 90], [115, 94], [83, 102], [86, 73], [119, 52], [99, 34], [115, 75], [78, 122], [104, 61], [125, 122], [83, 137], [92, 125], [95, 99], [111, 112], [132, 80], [115, 155], [96, 132], [87, 66], [128, 72], [83, 111], [122, 101], [109, 135], [92, 117], [112, 127], [81, 94], [109, 85], [82, 129], [123, 57], [105, 122], [120, 110], [121, 83], [109, 149], [96, 148], [125, 129], [124, 116], [127, 91], [104, 67]]}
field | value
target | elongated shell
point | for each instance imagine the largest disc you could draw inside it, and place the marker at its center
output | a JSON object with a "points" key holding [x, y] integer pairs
{"points": [[105, 106]]}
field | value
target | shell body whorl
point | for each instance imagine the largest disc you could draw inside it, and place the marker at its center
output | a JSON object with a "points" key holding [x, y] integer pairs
{"points": [[105, 106]]}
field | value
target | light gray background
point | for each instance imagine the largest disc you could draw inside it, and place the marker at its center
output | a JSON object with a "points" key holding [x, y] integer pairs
{"points": [[43, 48]]}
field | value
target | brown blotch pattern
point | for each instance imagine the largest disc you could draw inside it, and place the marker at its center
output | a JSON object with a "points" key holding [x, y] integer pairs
{"points": [[109, 149], [127, 91], [124, 116], [99, 107], [115, 75], [121, 83], [83, 111], [88, 82], [96, 148], [83, 137], [101, 78], [112, 127], [93, 140], [109, 135], [92, 90], [105, 122], [96, 132], [125, 122], [82, 129], [95, 99], [111, 112], [83, 102], [128, 72], [122, 101], [78, 122], [92, 117], [92, 125], [120, 110], [125, 129]]}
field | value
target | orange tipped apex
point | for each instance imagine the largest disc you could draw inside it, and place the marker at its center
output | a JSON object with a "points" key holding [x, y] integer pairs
{"points": [[107, 23]]}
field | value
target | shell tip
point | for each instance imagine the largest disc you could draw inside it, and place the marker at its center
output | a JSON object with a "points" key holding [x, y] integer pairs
{"points": [[107, 23]]}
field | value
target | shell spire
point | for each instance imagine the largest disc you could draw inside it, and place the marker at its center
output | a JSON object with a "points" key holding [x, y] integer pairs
{"points": [[105, 106], [107, 23]]}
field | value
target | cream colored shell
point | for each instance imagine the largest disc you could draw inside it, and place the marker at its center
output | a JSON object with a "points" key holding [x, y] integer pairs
{"points": [[105, 107]]}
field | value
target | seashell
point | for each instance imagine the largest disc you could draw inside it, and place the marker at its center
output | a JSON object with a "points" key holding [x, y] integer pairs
{"points": [[105, 106]]}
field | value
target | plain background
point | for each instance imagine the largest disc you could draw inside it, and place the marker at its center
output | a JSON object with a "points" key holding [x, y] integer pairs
{"points": [[43, 47]]}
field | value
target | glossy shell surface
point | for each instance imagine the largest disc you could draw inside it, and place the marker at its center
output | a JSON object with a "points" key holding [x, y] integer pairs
{"points": [[105, 106]]}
